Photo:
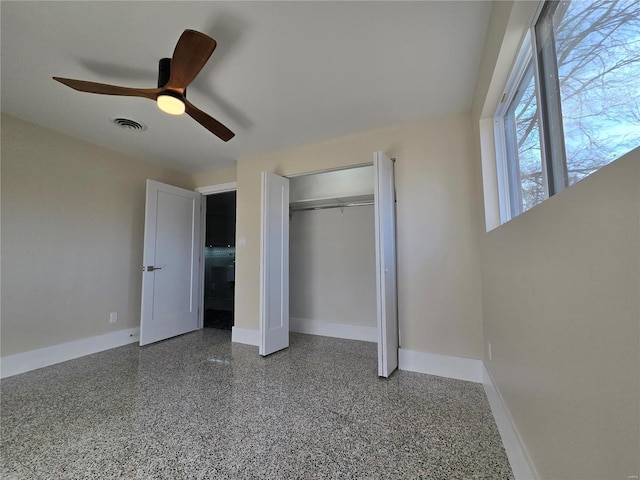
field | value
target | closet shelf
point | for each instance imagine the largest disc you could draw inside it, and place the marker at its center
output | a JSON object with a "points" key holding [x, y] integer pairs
{"points": [[324, 203]]}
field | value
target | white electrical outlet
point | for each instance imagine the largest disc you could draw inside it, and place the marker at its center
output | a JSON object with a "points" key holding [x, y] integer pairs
{"points": [[113, 317], [489, 350]]}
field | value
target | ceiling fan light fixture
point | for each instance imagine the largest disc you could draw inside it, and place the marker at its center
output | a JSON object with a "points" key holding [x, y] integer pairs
{"points": [[175, 74], [170, 104]]}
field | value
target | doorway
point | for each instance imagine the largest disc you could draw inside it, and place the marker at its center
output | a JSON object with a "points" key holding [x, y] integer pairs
{"points": [[219, 260]]}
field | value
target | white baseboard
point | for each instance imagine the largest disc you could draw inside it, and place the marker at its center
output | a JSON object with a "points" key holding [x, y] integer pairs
{"points": [[519, 459], [43, 357], [246, 336], [468, 369], [337, 330]]}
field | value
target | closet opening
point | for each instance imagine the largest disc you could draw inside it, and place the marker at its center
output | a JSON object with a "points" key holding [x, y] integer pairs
{"points": [[219, 260], [280, 197], [332, 254]]}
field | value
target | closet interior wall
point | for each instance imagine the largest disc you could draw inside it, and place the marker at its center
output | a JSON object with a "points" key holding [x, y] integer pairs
{"points": [[332, 257]]}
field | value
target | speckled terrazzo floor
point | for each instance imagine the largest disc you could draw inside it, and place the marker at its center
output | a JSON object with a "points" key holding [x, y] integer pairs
{"points": [[200, 407]]}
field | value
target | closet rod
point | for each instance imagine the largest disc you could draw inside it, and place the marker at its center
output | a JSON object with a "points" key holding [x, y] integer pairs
{"points": [[335, 205]]}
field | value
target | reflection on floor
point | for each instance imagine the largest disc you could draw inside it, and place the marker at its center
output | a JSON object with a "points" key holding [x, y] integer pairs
{"points": [[198, 406]]}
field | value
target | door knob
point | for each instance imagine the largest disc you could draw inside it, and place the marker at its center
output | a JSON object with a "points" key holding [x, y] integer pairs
{"points": [[151, 268]]}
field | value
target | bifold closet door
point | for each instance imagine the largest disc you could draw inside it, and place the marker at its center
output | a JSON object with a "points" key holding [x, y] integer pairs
{"points": [[385, 232], [274, 264]]}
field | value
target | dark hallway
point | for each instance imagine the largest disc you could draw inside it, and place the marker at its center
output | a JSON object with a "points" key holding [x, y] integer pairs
{"points": [[220, 257]]}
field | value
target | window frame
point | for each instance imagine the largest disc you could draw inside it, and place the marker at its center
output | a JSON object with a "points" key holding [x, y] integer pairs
{"points": [[537, 48], [550, 102], [508, 197]]}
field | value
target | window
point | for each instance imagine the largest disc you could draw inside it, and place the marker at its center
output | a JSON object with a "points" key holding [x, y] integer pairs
{"points": [[519, 128], [572, 102]]}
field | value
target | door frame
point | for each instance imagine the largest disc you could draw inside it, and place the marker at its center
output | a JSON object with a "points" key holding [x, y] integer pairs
{"points": [[205, 191], [327, 170]]}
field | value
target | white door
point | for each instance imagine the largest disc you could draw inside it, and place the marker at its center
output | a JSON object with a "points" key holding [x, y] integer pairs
{"points": [[385, 231], [274, 264], [171, 274]]}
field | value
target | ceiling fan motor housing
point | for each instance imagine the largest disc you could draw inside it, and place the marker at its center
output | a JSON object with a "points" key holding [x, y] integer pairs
{"points": [[164, 71]]}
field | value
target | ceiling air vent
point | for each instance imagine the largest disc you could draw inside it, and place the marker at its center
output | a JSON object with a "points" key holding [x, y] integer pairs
{"points": [[129, 124]]}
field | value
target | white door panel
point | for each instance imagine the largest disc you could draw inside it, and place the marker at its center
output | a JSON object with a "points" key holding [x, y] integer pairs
{"points": [[385, 231], [170, 279], [274, 264]]}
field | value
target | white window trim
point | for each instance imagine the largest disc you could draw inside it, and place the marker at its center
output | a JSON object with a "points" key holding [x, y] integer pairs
{"points": [[521, 18], [524, 55]]}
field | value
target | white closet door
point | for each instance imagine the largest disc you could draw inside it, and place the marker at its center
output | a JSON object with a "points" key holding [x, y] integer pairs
{"points": [[171, 274], [274, 264], [385, 231]]}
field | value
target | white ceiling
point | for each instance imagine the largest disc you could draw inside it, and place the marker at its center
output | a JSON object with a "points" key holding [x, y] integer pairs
{"points": [[283, 74]]}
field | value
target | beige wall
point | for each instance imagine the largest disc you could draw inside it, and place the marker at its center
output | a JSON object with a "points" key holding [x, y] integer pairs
{"points": [[214, 177], [72, 228], [438, 258], [561, 299], [332, 264], [72, 232], [561, 294]]}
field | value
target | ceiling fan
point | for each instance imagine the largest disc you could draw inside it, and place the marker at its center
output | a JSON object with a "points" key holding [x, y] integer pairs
{"points": [[190, 55]]}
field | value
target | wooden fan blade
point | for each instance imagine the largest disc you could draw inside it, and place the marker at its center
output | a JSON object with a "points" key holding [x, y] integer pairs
{"points": [[208, 122], [104, 89], [191, 53]]}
